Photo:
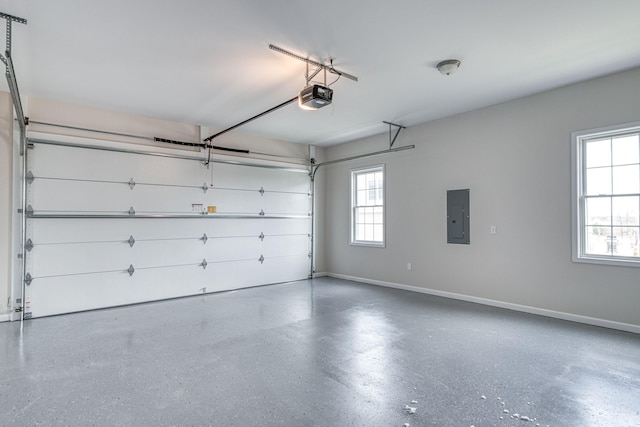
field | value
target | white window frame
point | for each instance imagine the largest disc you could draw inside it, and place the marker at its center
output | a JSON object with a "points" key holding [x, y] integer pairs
{"points": [[578, 169], [352, 228]]}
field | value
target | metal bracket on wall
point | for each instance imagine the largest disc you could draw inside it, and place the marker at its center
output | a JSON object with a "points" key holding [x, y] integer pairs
{"points": [[261, 259], [204, 238], [360, 156], [261, 236], [132, 183], [131, 270], [400, 127], [29, 245], [131, 241], [30, 177]]}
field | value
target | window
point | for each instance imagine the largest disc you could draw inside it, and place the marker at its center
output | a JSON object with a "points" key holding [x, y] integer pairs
{"points": [[606, 199], [367, 206]]}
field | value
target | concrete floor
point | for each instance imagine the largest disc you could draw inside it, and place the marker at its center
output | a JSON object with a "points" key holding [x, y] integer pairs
{"points": [[316, 353]]}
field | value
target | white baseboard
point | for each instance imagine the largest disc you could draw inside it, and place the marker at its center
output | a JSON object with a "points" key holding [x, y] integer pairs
{"points": [[320, 274], [5, 317], [594, 321]]}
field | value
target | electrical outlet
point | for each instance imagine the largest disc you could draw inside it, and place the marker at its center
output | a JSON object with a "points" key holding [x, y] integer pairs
{"points": [[493, 229], [409, 266]]}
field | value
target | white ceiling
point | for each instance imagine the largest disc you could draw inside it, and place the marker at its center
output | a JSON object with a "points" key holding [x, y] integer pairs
{"points": [[207, 62]]}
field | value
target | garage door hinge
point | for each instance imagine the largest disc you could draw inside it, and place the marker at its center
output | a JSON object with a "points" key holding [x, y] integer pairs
{"points": [[30, 177], [131, 270], [204, 187], [132, 211], [29, 210], [261, 259], [131, 241], [28, 279], [204, 238], [261, 236], [132, 183], [261, 191], [203, 264], [261, 212], [29, 245]]}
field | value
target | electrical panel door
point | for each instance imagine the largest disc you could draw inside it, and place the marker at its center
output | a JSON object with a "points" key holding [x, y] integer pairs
{"points": [[458, 216]]}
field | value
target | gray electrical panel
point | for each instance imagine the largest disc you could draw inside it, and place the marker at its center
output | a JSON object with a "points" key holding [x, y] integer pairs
{"points": [[458, 216]]}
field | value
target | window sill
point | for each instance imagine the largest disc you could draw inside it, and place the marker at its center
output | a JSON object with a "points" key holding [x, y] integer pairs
{"points": [[618, 262], [368, 244]]}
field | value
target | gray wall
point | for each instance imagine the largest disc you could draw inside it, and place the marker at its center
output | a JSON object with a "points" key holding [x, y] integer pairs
{"points": [[515, 159]]}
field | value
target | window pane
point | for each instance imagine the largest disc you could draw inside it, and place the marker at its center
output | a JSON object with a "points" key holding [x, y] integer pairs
{"points": [[626, 179], [368, 232], [378, 215], [598, 211], [624, 150], [598, 153], [625, 211], [360, 232], [377, 232], [598, 181], [367, 216], [596, 240], [369, 178], [361, 199], [371, 192], [625, 241]]}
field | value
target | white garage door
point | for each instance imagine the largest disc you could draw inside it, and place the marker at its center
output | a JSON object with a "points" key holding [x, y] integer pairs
{"points": [[108, 227]]}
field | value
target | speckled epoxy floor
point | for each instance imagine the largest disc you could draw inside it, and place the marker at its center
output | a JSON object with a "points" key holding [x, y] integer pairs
{"points": [[316, 353]]}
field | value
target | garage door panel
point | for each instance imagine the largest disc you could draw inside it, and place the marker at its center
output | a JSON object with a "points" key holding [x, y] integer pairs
{"points": [[91, 230], [286, 245], [92, 291], [48, 161], [237, 202], [286, 269], [230, 176], [70, 259], [98, 197], [285, 202], [233, 249], [80, 196]]}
